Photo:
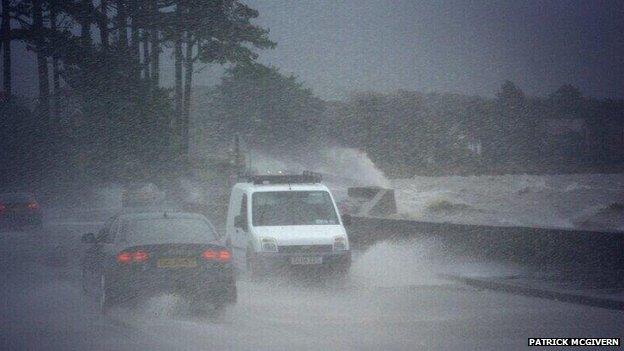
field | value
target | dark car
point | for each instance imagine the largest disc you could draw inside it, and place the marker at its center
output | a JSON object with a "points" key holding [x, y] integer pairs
{"points": [[19, 209], [140, 255]]}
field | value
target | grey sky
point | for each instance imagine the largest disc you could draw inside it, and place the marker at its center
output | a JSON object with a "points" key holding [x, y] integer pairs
{"points": [[336, 47]]}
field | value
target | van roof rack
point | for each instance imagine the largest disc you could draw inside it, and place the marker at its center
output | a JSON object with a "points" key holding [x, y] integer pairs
{"points": [[306, 177]]}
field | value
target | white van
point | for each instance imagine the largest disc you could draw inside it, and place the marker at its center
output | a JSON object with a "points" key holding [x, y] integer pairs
{"points": [[286, 221]]}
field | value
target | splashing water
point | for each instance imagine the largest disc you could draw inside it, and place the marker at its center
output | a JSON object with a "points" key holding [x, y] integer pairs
{"points": [[353, 164], [343, 165]]}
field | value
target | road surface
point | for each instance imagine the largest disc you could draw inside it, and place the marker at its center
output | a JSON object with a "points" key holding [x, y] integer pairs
{"points": [[393, 301]]}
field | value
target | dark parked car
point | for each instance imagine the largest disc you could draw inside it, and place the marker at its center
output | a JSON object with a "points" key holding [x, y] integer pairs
{"points": [[139, 255], [19, 209]]}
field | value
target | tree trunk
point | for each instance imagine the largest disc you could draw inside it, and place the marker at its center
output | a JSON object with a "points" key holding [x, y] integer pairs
{"points": [[186, 108], [178, 58], [103, 24], [155, 59], [155, 53], [146, 55], [177, 53], [135, 48], [55, 68], [122, 24], [42, 61], [5, 33], [85, 23]]}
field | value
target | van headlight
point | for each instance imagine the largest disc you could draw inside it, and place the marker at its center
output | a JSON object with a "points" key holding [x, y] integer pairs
{"points": [[268, 245], [340, 243]]}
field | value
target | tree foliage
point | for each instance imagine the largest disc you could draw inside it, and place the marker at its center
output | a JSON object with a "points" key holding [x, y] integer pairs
{"points": [[105, 62], [408, 133], [268, 109]]}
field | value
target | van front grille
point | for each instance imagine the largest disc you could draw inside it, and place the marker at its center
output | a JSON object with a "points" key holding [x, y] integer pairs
{"points": [[305, 249]]}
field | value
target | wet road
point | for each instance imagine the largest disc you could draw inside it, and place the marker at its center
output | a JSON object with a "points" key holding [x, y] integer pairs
{"points": [[393, 301]]}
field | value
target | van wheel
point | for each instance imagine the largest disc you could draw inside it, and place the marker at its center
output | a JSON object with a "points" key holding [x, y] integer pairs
{"points": [[341, 277], [252, 266]]}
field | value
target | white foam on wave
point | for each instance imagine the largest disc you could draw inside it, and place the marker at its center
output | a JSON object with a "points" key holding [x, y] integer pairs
{"points": [[516, 200], [347, 166]]}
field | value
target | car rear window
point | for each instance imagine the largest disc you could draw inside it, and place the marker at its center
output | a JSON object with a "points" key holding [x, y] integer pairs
{"points": [[166, 230]]}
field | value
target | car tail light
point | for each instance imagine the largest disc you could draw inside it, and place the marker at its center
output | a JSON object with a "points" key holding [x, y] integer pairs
{"points": [[224, 256], [140, 256], [220, 255], [209, 255], [32, 205], [126, 257]]}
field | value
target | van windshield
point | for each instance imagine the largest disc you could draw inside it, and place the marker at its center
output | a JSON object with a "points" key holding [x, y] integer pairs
{"points": [[293, 208]]}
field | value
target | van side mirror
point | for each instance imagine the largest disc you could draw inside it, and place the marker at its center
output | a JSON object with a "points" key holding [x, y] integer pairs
{"points": [[240, 222], [347, 219], [88, 238]]}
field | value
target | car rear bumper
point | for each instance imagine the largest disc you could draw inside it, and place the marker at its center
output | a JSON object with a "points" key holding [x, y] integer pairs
{"points": [[331, 261], [218, 286]]}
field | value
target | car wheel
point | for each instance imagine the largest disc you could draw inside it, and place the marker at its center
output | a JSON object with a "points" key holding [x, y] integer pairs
{"points": [[227, 295], [210, 309], [233, 295], [218, 310]]}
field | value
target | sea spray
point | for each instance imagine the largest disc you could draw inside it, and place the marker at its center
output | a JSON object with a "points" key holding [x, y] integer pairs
{"points": [[348, 166]]}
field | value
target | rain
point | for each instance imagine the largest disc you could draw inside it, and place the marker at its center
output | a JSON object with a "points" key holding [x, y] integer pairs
{"points": [[278, 175]]}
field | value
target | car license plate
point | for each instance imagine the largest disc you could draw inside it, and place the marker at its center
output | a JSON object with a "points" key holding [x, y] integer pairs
{"points": [[177, 262], [306, 260]]}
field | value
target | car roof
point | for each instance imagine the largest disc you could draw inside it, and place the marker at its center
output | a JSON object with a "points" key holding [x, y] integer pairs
{"points": [[250, 187], [161, 214]]}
